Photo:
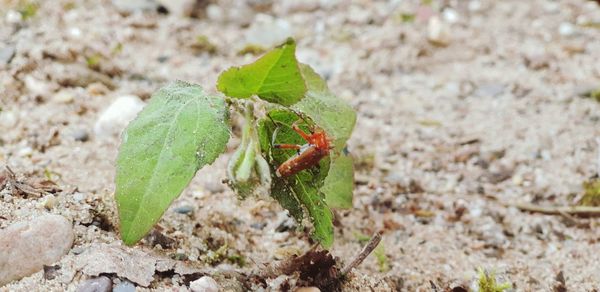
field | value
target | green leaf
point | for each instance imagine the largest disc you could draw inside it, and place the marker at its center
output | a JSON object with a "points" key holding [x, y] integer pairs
{"points": [[302, 189], [339, 183], [178, 132], [329, 112], [337, 118], [275, 77]]}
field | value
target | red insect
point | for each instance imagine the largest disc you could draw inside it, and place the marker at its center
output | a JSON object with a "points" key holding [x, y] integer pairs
{"points": [[309, 155]]}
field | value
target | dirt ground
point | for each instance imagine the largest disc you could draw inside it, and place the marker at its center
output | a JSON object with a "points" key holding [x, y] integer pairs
{"points": [[465, 109]]}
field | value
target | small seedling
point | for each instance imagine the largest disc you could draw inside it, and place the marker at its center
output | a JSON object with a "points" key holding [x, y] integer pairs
{"points": [[284, 103], [487, 283], [591, 195]]}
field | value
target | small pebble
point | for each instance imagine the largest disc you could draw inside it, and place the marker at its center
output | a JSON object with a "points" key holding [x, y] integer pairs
{"points": [[258, 225], [490, 90], [204, 284], [438, 32], [63, 97], [29, 245], [124, 286], [286, 225], [36, 86], [7, 54], [183, 8], [474, 5], [116, 117], [50, 201], [8, 119], [78, 196], [450, 15], [25, 151], [268, 31], [566, 29], [80, 135], [99, 284], [308, 289], [13, 17], [130, 6], [214, 186], [185, 209]]}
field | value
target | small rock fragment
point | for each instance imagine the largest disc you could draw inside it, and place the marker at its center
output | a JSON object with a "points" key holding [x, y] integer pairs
{"points": [[13, 17], [124, 286], [80, 135], [50, 272], [50, 202], [268, 31], [308, 289], [130, 6], [450, 15], [238, 12], [214, 186], [8, 119], [186, 8], [6, 55], [116, 117], [99, 284], [474, 5], [27, 246], [489, 90], [438, 32], [566, 29], [134, 265], [185, 209], [63, 97], [204, 284], [37, 87]]}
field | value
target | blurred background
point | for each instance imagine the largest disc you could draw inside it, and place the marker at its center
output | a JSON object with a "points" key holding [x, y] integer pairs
{"points": [[466, 111]]}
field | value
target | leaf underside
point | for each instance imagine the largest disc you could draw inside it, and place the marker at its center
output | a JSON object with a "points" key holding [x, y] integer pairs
{"points": [[275, 77], [178, 132]]}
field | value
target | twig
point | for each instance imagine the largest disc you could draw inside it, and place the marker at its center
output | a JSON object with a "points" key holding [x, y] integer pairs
{"points": [[371, 245], [583, 211], [574, 221]]}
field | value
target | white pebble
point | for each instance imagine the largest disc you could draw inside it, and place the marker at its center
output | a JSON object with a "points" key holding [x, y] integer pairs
{"points": [[268, 31], [116, 117], [8, 120], [474, 5], [438, 31], [450, 15], [63, 97], [566, 29], [204, 284], [25, 151], [79, 196], [13, 16]]}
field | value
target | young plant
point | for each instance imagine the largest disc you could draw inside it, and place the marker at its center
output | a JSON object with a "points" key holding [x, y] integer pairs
{"points": [[294, 150], [487, 282]]}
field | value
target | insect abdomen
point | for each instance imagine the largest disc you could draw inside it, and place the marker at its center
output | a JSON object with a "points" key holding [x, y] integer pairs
{"points": [[306, 159]]}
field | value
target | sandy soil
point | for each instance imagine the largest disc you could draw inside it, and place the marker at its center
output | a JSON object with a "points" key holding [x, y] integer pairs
{"points": [[452, 132]]}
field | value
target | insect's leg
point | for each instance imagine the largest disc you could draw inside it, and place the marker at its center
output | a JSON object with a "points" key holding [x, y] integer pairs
{"points": [[300, 132], [287, 146], [311, 127], [275, 131]]}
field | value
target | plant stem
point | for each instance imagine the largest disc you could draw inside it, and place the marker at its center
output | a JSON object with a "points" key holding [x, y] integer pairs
{"points": [[371, 245], [583, 211]]}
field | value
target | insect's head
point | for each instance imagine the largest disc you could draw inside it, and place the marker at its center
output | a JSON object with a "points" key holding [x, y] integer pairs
{"points": [[320, 139]]}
